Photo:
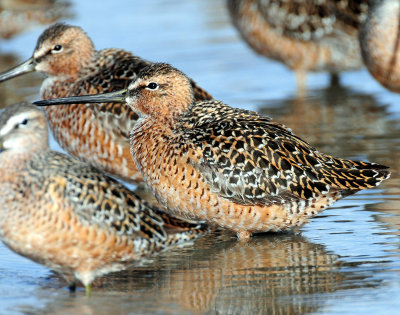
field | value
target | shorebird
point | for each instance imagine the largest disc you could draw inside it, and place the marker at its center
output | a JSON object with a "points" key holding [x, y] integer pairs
{"points": [[98, 135], [380, 42], [307, 36], [234, 168], [67, 215]]}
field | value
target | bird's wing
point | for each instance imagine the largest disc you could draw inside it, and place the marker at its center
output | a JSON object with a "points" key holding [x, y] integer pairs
{"points": [[306, 20], [249, 159], [98, 199]]}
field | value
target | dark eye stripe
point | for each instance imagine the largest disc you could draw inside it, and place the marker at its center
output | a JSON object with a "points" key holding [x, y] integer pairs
{"points": [[47, 54], [41, 58]]}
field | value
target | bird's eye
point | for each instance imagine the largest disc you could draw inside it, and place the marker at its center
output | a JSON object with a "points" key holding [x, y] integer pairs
{"points": [[23, 123], [152, 86], [57, 48]]}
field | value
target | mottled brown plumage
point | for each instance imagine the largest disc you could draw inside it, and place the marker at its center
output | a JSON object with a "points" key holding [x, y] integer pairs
{"points": [[69, 216], [306, 36], [380, 42], [234, 168], [98, 135]]}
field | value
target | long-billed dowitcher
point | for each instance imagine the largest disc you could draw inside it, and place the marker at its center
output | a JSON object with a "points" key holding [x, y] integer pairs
{"points": [[234, 168], [314, 35], [98, 135], [65, 214], [380, 42]]}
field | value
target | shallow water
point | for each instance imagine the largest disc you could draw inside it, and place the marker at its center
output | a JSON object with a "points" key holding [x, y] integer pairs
{"points": [[347, 260]]}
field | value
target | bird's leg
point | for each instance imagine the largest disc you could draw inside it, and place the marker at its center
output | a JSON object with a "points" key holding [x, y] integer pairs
{"points": [[244, 235], [335, 79], [72, 286], [88, 289], [301, 78]]}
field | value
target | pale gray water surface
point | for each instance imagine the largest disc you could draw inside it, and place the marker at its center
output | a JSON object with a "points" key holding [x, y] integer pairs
{"points": [[346, 260]]}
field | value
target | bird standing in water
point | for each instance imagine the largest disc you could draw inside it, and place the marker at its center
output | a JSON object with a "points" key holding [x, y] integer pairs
{"points": [[98, 135], [68, 216], [307, 36], [233, 168]]}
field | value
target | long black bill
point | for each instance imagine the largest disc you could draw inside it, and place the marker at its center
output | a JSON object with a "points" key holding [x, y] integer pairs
{"points": [[25, 67], [112, 97]]}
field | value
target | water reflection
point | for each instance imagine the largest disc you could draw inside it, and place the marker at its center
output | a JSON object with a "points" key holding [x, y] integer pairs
{"points": [[388, 212], [337, 120], [271, 274], [267, 275]]}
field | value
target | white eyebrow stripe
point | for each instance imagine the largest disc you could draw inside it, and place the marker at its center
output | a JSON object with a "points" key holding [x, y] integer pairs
{"points": [[40, 53], [134, 84], [12, 122]]}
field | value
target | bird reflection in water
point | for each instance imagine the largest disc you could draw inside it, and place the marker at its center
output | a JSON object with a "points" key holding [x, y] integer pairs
{"points": [[270, 274]]}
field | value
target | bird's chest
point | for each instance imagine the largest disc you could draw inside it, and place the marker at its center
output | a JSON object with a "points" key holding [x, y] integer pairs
{"points": [[54, 87], [154, 153], [59, 117]]}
